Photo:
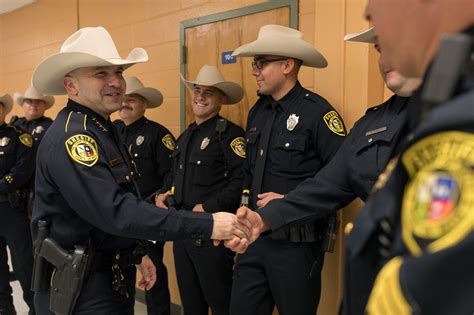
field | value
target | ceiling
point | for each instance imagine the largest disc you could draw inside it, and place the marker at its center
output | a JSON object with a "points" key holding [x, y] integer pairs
{"points": [[7, 6]]}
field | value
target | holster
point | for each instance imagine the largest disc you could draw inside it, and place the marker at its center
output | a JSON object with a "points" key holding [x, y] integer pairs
{"points": [[71, 270], [42, 269]]}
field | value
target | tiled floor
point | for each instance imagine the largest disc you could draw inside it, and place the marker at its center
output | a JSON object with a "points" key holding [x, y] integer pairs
{"points": [[22, 308]]}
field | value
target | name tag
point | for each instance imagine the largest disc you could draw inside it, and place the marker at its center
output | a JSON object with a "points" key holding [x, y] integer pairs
{"points": [[373, 132]]}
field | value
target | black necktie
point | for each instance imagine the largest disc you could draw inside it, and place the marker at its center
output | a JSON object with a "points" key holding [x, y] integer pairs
{"points": [[262, 155], [178, 180]]}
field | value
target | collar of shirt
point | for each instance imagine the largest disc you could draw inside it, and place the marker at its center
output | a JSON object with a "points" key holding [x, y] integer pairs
{"points": [[285, 102], [206, 124], [74, 106], [136, 125]]}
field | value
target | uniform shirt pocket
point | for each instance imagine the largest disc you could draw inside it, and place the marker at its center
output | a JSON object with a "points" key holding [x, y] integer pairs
{"points": [[208, 170], [121, 173], [289, 152], [373, 152]]}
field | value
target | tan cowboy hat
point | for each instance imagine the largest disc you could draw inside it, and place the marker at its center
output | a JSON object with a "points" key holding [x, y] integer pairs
{"points": [[277, 40], [7, 102], [153, 96], [88, 47], [368, 36], [32, 94], [211, 76]]}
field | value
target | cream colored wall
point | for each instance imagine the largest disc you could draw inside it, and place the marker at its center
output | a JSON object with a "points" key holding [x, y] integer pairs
{"points": [[351, 82]]}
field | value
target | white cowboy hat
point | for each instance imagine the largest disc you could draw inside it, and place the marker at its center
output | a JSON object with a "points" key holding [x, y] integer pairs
{"points": [[153, 96], [368, 36], [7, 102], [211, 76], [277, 40], [33, 94], [87, 47]]}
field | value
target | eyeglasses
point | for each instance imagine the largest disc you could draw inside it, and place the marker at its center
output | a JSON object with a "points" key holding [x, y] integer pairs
{"points": [[258, 64]]}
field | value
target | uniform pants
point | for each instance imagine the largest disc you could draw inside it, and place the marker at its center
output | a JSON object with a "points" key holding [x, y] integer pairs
{"points": [[204, 277], [15, 232], [97, 296], [158, 297], [277, 272]]}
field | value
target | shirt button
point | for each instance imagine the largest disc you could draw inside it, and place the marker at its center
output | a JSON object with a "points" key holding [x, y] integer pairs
{"points": [[127, 178], [287, 145], [135, 155], [198, 162], [370, 140], [180, 166], [261, 152], [348, 228], [307, 95]]}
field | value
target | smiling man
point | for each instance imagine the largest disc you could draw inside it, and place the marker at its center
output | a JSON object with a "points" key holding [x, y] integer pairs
{"points": [[206, 177], [86, 193], [150, 144]]}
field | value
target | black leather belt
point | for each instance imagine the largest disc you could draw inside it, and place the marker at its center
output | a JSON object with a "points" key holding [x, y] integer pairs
{"points": [[103, 261], [4, 197]]}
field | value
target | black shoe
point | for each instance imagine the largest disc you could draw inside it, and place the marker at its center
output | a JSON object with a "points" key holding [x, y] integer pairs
{"points": [[9, 310]]}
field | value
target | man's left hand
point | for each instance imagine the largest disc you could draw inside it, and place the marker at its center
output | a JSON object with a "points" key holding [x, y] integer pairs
{"points": [[148, 271]]}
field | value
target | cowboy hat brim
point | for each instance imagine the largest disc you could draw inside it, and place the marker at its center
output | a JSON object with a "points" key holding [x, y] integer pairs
{"points": [[48, 99], [7, 102], [290, 47], [232, 90], [153, 96], [368, 36], [49, 74]]}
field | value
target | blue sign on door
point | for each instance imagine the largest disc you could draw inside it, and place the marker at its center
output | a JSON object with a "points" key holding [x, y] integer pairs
{"points": [[227, 57]]}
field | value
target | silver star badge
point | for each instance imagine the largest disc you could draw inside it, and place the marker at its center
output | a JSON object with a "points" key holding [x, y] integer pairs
{"points": [[292, 121], [204, 143], [140, 140]]}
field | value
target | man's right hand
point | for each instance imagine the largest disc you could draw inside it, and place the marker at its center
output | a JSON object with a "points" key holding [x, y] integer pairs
{"points": [[227, 226], [160, 200]]}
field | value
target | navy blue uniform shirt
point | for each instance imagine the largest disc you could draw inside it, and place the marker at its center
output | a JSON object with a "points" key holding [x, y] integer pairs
{"points": [[305, 135], [150, 145], [350, 174], [16, 158], [84, 189], [36, 127], [210, 172]]}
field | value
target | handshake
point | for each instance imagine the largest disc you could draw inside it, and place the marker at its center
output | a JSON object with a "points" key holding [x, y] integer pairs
{"points": [[238, 230]]}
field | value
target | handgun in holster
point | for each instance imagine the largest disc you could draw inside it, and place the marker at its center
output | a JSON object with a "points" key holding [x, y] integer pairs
{"points": [[71, 270], [330, 235], [42, 269]]}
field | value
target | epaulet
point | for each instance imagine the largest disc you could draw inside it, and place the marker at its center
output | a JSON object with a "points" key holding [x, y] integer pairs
{"points": [[315, 98], [76, 121], [372, 109], [13, 119]]}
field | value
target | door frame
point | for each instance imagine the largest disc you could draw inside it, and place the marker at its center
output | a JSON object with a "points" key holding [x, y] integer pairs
{"points": [[267, 6]]}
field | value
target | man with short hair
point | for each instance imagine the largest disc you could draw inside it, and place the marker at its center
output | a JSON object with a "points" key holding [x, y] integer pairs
{"points": [[85, 191], [291, 134], [206, 177], [150, 144], [34, 104], [16, 168]]}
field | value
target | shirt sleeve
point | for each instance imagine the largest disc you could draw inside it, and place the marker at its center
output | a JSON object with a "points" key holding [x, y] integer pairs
{"points": [[23, 168], [233, 146], [97, 194]]}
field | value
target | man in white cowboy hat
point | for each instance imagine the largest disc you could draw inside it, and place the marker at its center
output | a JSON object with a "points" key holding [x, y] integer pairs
{"points": [[291, 134], [16, 168], [206, 177], [85, 190], [150, 145], [34, 104]]}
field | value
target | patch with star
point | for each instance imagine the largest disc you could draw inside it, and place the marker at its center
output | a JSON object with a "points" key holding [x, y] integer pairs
{"points": [[26, 139], [238, 146], [438, 200], [168, 141], [335, 124], [82, 149]]}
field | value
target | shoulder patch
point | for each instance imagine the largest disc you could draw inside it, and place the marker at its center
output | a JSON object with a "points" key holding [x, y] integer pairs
{"points": [[238, 146], [169, 142], [335, 124], [26, 139], [438, 200], [82, 149]]}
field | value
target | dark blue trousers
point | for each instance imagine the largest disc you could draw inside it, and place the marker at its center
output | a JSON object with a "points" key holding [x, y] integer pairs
{"points": [[158, 297]]}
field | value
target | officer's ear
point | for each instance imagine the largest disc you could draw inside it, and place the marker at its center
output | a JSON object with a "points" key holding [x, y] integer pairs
{"points": [[70, 84]]}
